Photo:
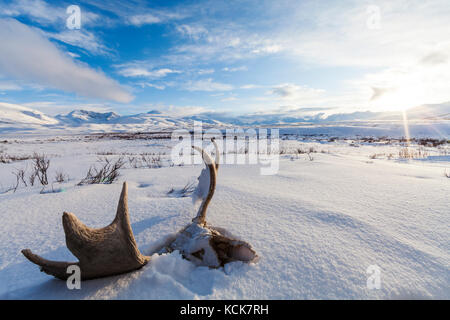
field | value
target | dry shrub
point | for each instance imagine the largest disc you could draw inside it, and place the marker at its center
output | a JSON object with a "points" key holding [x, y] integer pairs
{"points": [[151, 161], [408, 153], [186, 191], [60, 176], [107, 174], [40, 165]]}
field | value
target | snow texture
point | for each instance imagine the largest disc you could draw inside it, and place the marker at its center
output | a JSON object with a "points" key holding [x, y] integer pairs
{"points": [[316, 225]]}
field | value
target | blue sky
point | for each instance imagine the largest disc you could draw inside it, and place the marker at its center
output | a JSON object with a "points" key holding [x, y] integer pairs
{"points": [[185, 57]]}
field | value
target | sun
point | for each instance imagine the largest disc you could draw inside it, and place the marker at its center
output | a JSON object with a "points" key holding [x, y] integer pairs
{"points": [[403, 90], [395, 101]]}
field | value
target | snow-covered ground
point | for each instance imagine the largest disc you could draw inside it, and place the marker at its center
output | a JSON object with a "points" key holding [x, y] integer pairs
{"points": [[316, 225]]}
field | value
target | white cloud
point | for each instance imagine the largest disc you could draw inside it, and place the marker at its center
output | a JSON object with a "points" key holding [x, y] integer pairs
{"points": [[409, 86], [143, 19], [403, 62], [192, 31], [289, 91], [207, 85], [271, 48], [221, 41], [152, 17], [82, 39], [251, 86], [53, 108], [56, 16], [178, 111], [235, 69], [137, 71], [228, 99], [407, 57], [379, 92], [43, 13], [434, 58], [205, 71], [38, 10], [73, 55], [152, 85], [9, 86], [26, 55], [339, 35]]}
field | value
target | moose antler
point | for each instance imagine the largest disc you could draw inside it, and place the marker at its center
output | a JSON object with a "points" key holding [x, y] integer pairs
{"points": [[204, 244], [101, 252], [113, 250]]}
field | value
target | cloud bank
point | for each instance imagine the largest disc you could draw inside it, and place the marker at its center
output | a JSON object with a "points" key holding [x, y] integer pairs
{"points": [[27, 55]]}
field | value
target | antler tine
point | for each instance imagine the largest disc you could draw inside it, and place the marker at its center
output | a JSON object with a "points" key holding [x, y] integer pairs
{"points": [[58, 269], [217, 160], [122, 213], [201, 215]]}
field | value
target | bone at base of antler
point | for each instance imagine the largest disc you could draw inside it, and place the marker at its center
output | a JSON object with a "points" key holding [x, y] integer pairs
{"points": [[101, 252], [206, 246]]}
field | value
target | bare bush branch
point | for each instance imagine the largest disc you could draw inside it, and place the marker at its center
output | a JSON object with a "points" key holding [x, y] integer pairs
{"points": [[20, 176], [186, 191], [60, 176], [6, 158], [406, 153], [134, 162], [152, 161], [107, 174], [41, 164], [32, 178]]}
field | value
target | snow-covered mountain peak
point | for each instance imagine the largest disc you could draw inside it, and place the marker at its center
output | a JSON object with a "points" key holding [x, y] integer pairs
{"points": [[17, 114], [86, 116]]}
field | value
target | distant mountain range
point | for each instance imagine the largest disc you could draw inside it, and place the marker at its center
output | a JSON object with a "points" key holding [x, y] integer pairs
{"points": [[15, 116], [83, 116]]}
